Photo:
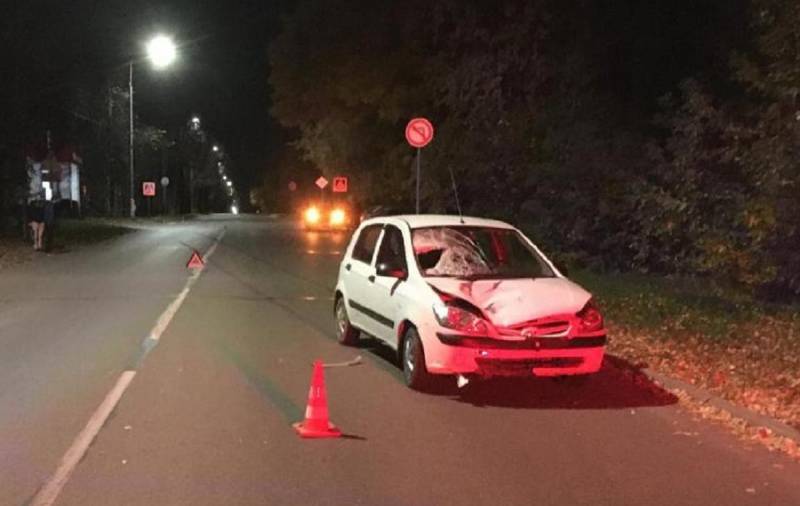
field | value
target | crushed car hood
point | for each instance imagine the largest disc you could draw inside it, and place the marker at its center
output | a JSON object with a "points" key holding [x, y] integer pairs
{"points": [[507, 302]]}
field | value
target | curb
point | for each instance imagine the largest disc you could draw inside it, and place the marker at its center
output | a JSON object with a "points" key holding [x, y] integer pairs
{"points": [[705, 397]]}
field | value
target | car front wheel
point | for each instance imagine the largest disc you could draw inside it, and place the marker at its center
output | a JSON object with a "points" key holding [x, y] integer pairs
{"points": [[415, 373], [345, 332]]}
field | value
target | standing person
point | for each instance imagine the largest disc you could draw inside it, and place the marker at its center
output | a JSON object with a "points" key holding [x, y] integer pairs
{"points": [[34, 204], [36, 212], [48, 225]]}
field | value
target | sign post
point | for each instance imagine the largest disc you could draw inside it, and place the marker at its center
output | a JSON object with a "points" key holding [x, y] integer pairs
{"points": [[419, 133], [149, 190], [164, 184], [321, 182], [340, 184]]}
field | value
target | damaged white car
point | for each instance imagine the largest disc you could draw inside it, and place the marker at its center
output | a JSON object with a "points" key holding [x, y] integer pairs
{"points": [[467, 297]]}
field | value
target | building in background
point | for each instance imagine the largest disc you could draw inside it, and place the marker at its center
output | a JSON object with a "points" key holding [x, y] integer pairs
{"points": [[54, 175]]}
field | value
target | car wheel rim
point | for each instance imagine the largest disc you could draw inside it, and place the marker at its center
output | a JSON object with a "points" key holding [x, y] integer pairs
{"points": [[409, 355], [341, 318]]}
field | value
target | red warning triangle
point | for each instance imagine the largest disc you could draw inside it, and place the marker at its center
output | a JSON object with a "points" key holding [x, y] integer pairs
{"points": [[196, 262]]}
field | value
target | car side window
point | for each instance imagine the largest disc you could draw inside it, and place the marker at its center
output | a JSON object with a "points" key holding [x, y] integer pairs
{"points": [[365, 245], [392, 251]]}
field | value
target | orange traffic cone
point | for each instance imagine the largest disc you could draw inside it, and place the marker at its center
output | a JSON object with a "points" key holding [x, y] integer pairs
{"points": [[316, 423]]}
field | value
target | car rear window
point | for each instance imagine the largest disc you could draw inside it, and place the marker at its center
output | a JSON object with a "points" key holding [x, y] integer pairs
{"points": [[365, 245]]}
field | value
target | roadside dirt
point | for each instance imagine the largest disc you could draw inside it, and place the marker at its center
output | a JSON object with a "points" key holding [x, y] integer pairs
{"points": [[761, 373]]}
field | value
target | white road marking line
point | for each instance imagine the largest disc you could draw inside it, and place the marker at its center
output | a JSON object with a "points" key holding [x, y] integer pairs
{"points": [[48, 494], [169, 313], [213, 247]]}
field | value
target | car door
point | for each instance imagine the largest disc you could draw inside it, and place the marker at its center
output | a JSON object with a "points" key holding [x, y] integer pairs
{"points": [[359, 273], [389, 293]]}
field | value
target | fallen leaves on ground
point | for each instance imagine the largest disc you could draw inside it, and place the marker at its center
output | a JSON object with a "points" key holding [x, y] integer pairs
{"points": [[758, 368]]}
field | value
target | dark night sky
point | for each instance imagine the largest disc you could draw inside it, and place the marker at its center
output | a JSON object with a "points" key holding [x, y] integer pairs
{"points": [[222, 69], [221, 73]]}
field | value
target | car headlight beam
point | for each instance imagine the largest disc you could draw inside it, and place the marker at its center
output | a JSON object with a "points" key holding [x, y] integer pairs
{"points": [[337, 217], [311, 215]]}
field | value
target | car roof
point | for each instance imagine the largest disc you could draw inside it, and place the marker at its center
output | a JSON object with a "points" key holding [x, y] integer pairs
{"points": [[439, 220]]}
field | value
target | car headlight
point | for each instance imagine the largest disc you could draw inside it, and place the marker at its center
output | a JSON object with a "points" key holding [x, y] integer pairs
{"points": [[590, 316], [462, 320], [338, 217], [311, 215]]}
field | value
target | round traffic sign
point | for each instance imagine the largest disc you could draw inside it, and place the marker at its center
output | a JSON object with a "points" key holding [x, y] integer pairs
{"points": [[165, 181], [292, 186], [419, 132]]}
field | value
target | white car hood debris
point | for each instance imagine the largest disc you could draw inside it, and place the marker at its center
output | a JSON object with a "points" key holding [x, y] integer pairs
{"points": [[507, 302]]}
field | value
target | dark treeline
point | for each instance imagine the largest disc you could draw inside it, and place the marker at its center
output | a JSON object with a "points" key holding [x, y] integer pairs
{"points": [[657, 136]]}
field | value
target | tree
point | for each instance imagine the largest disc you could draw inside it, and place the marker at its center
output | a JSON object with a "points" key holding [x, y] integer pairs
{"points": [[550, 108], [767, 139]]}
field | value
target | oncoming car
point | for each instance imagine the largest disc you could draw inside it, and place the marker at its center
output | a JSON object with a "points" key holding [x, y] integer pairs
{"points": [[465, 296], [325, 217]]}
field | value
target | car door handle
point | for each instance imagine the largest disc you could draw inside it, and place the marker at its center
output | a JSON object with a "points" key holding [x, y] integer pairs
{"points": [[348, 267], [371, 279]]}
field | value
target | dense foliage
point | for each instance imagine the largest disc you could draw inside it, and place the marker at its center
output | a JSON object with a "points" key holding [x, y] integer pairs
{"points": [[659, 139]]}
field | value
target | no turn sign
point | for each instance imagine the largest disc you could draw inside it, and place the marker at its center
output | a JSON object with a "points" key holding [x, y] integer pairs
{"points": [[419, 132]]}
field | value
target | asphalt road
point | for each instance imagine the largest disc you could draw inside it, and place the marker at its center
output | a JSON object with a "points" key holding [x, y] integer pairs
{"points": [[207, 417]]}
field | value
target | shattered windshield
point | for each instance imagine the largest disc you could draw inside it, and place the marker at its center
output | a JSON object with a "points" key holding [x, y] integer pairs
{"points": [[476, 253]]}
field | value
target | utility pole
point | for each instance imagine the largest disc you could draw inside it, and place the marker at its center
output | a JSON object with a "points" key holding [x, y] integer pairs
{"points": [[130, 110], [191, 187]]}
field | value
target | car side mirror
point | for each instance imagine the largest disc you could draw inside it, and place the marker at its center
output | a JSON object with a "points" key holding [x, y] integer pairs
{"points": [[392, 271]]}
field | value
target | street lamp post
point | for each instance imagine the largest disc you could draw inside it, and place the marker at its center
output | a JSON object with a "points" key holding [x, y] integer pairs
{"points": [[161, 52], [130, 146]]}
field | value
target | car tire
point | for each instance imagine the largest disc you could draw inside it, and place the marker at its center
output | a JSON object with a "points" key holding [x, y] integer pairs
{"points": [[412, 358], [346, 334]]}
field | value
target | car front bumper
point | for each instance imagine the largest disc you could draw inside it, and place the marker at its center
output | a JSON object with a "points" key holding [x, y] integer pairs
{"points": [[486, 357]]}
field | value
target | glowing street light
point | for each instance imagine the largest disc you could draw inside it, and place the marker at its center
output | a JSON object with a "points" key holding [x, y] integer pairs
{"points": [[229, 184], [161, 51], [215, 148]]}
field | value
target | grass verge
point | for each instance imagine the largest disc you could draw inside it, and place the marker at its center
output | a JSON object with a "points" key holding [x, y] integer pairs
{"points": [[716, 337], [69, 234]]}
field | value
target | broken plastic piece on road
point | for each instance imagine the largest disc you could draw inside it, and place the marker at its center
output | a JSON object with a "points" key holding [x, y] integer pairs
{"points": [[354, 361]]}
